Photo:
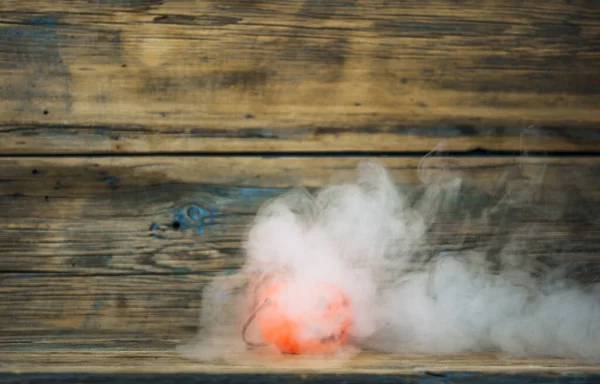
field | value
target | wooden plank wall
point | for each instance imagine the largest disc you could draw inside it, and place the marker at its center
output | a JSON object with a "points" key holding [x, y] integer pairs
{"points": [[140, 136], [141, 76]]}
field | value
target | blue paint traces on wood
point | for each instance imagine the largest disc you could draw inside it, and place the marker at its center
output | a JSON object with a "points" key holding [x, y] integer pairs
{"points": [[34, 49], [104, 260], [97, 304], [261, 193], [245, 192], [48, 21], [111, 180], [199, 218], [213, 214], [180, 220], [28, 33], [181, 270], [194, 218], [45, 30], [25, 275], [90, 318], [196, 212]]}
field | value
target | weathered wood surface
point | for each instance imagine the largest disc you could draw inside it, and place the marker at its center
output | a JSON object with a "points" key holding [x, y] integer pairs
{"points": [[295, 378], [166, 362], [297, 75], [111, 253], [299, 378]]}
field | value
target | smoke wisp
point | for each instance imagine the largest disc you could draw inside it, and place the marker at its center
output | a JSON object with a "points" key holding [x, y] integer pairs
{"points": [[420, 278]]}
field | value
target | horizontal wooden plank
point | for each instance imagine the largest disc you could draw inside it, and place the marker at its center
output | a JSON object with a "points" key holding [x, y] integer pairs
{"points": [[181, 215], [468, 377], [300, 75], [294, 378], [429, 369], [103, 312], [111, 253]]}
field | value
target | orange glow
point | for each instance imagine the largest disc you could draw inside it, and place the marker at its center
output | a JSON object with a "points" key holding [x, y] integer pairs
{"points": [[320, 327]]}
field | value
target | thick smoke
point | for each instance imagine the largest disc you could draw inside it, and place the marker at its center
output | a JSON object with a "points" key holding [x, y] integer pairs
{"points": [[430, 269]]}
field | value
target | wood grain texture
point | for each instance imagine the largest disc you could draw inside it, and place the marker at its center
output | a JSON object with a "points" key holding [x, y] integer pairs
{"points": [[298, 75], [441, 369], [459, 377], [111, 253], [297, 378]]}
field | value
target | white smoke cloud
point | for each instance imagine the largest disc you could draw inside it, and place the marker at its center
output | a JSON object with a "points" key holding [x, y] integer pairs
{"points": [[379, 242]]}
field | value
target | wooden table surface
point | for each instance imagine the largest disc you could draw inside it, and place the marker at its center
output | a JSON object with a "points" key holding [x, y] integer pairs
{"points": [[139, 137]]}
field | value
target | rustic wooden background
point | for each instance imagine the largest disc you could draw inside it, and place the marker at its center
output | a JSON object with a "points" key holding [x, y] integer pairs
{"points": [[138, 138]]}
